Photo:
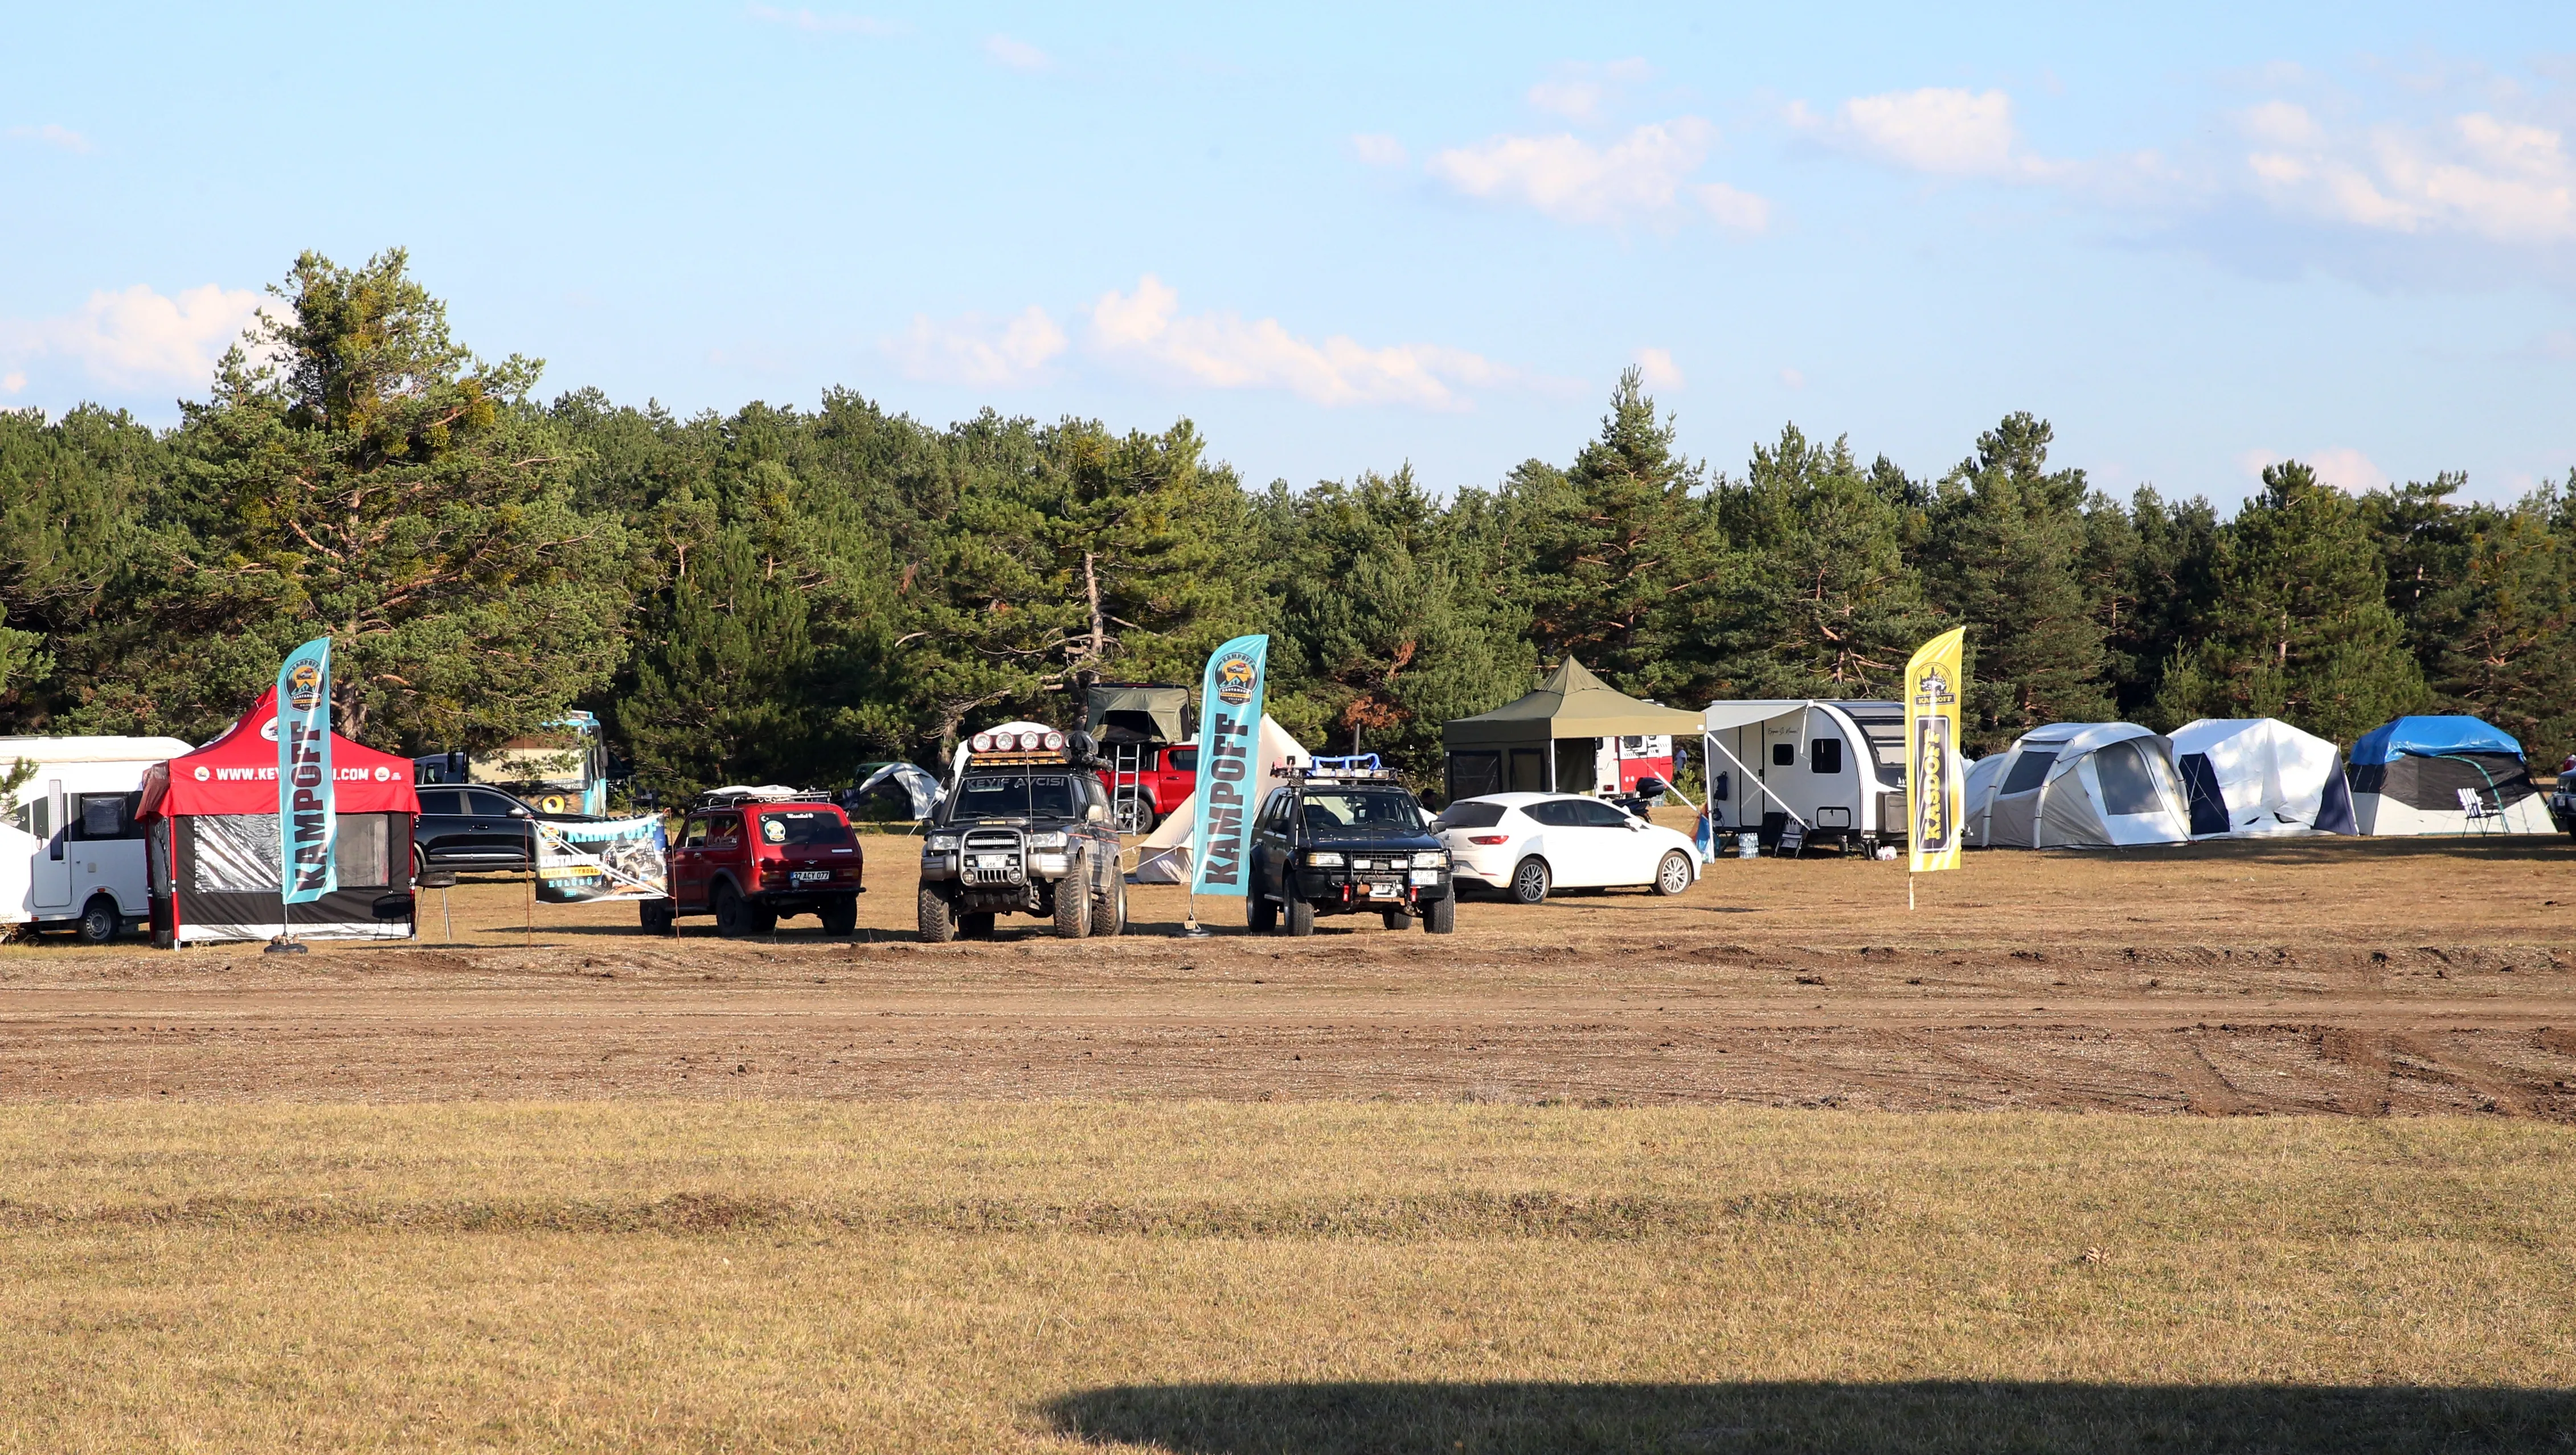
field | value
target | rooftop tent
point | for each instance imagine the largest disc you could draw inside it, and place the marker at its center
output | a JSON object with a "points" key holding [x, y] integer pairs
{"points": [[2257, 777], [1164, 857], [2080, 785], [1513, 747], [2420, 775], [211, 820], [1136, 712]]}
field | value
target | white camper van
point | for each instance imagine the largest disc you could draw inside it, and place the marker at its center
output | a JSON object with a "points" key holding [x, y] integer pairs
{"points": [[70, 854]]}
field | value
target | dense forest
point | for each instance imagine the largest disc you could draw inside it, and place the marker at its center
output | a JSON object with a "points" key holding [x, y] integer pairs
{"points": [[779, 593]]}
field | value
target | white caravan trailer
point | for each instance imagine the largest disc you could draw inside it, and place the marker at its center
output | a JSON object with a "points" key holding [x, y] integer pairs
{"points": [[1837, 768], [70, 854]]}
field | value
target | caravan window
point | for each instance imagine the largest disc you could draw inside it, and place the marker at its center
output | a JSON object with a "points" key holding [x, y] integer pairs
{"points": [[2028, 772], [2128, 784], [1825, 755], [1783, 754]]}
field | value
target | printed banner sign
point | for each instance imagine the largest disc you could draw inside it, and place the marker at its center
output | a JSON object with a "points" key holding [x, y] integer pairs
{"points": [[305, 797], [1230, 701], [1935, 788], [620, 858]]}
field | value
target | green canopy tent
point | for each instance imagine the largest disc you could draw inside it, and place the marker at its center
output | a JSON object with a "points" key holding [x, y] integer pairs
{"points": [[1550, 736]]}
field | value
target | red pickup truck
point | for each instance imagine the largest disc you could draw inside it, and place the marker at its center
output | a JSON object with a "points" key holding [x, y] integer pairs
{"points": [[1169, 773]]}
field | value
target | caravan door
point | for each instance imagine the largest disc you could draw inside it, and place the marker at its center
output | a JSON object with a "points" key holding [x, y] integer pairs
{"points": [[52, 881]]}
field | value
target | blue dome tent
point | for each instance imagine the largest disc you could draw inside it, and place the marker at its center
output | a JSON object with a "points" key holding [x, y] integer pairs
{"points": [[2443, 775]]}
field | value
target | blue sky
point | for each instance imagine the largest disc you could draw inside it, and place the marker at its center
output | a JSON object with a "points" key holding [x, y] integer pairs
{"points": [[2193, 237]]}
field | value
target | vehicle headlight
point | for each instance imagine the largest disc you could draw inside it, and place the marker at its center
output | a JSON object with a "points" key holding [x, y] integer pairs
{"points": [[1323, 859], [943, 843], [1046, 841], [1431, 860]]}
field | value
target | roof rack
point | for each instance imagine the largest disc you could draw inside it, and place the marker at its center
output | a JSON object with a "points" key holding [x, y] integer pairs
{"points": [[1352, 766], [738, 794]]}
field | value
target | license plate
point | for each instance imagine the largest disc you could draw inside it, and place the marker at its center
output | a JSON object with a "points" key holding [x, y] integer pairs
{"points": [[810, 876], [1386, 891]]}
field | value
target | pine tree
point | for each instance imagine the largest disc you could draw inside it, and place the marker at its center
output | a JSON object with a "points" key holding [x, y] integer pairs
{"points": [[1617, 547], [1819, 601], [716, 696], [2003, 555], [2164, 589], [2511, 658], [2299, 627]]}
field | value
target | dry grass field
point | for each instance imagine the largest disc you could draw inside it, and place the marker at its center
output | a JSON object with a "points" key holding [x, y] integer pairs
{"points": [[2244, 1148]]}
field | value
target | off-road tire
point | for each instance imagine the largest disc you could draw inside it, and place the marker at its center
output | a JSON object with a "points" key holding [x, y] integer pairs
{"points": [[1440, 916], [1259, 915], [1301, 918], [1397, 919], [419, 865], [1673, 875], [762, 919], [733, 916], [936, 916], [99, 922], [975, 926], [1073, 900], [1530, 881], [655, 915], [1109, 917], [839, 916]]}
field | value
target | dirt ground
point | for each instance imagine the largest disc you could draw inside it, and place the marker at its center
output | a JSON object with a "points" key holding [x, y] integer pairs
{"points": [[2351, 977]]}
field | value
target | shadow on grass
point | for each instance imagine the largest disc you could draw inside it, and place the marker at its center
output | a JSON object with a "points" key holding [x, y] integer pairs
{"points": [[1488, 1419]]}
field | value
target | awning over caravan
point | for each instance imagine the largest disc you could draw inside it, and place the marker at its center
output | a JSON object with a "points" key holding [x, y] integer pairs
{"points": [[1571, 703]]}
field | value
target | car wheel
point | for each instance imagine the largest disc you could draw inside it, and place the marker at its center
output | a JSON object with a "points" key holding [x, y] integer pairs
{"points": [[732, 918], [654, 915], [419, 865], [99, 921], [1135, 816], [1110, 918], [936, 915], [1440, 916], [1073, 901], [1301, 918], [1259, 915], [975, 926], [839, 916], [1673, 875], [1397, 919], [1530, 881]]}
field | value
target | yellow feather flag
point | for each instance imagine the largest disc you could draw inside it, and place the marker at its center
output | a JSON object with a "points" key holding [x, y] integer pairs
{"points": [[1935, 786]]}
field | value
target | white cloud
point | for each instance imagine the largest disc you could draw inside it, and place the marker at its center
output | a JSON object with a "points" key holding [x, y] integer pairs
{"points": [[2473, 173], [1659, 369], [1017, 55], [1379, 150], [1936, 130], [1792, 379], [978, 351], [822, 23], [51, 135], [1222, 351], [1642, 175], [138, 338], [1576, 92], [2344, 468], [13, 381]]}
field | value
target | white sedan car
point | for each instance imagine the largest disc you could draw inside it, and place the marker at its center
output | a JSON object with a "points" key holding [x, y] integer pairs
{"points": [[1530, 843]]}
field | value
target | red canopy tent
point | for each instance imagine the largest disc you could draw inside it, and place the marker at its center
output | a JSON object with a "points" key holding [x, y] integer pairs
{"points": [[211, 817]]}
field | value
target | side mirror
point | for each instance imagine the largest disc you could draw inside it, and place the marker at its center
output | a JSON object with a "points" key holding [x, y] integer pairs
{"points": [[1094, 813], [518, 813], [1636, 826]]}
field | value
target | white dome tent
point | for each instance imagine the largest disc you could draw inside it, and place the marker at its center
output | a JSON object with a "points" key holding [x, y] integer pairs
{"points": [[2259, 777], [2078, 785]]}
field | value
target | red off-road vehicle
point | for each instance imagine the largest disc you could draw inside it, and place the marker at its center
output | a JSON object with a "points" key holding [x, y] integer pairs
{"points": [[749, 857]]}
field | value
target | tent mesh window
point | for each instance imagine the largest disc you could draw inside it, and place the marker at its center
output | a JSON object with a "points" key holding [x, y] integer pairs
{"points": [[2434, 784], [1474, 774], [2208, 805], [2028, 772], [2128, 785], [360, 849]]}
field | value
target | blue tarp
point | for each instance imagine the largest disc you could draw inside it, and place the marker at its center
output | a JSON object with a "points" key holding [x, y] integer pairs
{"points": [[2431, 737]]}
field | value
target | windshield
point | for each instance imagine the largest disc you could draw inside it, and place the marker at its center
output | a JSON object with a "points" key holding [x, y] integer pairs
{"points": [[803, 826], [1329, 811], [1013, 796]]}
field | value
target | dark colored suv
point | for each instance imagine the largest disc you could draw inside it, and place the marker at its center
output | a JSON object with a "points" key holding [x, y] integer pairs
{"points": [[750, 861], [1344, 837], [472, 828], [1026, 830]]}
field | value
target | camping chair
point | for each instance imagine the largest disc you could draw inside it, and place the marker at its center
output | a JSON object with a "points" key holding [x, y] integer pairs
{"points": [[2473, 805]]}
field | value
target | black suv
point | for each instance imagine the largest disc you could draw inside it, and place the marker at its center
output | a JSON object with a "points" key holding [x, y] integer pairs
{"points": [[1342, 836], [464, 827], [1026, 830]]}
